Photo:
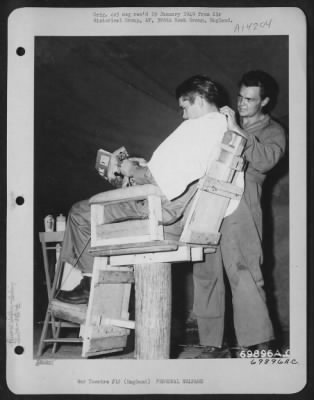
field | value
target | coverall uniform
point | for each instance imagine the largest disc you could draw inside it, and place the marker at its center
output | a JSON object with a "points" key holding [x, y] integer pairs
{"points": [[240, 252]]}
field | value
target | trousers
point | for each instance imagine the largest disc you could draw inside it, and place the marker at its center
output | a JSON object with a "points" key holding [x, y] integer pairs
{"points": [[76, 242], [240, 255]]}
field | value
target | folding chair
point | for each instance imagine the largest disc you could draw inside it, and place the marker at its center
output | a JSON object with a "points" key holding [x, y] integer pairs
{"points": [[52, 241]]}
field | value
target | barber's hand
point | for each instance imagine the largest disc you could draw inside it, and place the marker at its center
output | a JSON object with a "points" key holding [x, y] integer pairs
{"points": [[231, 118]]}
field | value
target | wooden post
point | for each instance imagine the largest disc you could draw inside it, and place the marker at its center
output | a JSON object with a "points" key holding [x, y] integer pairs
{"points": [[152, 311]]}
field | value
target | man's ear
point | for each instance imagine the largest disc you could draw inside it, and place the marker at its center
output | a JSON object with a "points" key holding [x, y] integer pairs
{"points": [[265, 101], [199, 100]]}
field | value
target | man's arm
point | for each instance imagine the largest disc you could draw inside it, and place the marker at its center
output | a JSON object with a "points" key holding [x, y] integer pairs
{"points": [[232, 122], [136, 168], [262, 152]]}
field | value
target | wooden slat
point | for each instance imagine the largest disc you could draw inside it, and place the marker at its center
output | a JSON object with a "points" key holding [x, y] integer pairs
{"points": [[225, 157], [51, 236], [134, 248], [122, 323], [197, 253], [125, 194], [126, 299], [107, 345], [203, 237], [97, 218], [100, 328], [115, 277], [105, 267], [121, 229], [67, 324], [106, 303], [64, 340], [69, 312], [211, 249], [155, 217], [205, 217], [221, 188], [122, 240], [237, 163], [182, 254]]}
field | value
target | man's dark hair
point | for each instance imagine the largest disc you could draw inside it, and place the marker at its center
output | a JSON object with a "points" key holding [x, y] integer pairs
{"points": [[199, 85], [267, 84]]}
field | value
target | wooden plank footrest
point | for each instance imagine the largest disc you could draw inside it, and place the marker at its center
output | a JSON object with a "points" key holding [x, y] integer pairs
{"points": [[63, 340], [69, 312], [135, 248]]}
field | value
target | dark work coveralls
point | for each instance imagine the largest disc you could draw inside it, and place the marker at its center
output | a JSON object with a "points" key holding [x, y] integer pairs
{"points": [[240, 252]]}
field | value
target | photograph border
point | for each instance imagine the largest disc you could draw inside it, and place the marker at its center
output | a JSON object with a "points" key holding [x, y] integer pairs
{"points": [[10, 198]]}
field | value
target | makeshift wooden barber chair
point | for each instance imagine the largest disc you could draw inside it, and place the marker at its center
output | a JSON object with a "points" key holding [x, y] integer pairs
{"points": [[135, 251]]}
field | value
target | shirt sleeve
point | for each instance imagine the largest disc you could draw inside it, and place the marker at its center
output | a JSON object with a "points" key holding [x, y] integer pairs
{"points": [[264, 152]]}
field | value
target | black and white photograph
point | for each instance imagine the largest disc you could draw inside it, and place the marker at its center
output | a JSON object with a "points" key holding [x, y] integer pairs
{"points": [[155, 158]]}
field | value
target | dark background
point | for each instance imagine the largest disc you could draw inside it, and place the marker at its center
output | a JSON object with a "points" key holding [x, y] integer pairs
{"points": [[105, 92]]}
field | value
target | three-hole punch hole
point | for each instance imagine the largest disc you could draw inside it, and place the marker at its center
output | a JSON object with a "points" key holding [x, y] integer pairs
{"points": [[19, 350], [19, 200], [20, 51]]}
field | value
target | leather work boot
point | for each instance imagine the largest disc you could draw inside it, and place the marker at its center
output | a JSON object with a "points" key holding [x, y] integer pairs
{"points": [[240, 352], [214, 352], [78, 295]]}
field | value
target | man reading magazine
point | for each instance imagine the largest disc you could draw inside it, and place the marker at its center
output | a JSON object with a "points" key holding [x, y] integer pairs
{"points": [[176, 165]]}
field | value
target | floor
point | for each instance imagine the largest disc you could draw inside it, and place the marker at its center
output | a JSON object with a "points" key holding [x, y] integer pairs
{"points": [[186, 349], [184, 344]]}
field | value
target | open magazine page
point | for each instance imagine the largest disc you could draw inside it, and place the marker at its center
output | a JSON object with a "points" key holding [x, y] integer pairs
{"points": [[83, 79]]}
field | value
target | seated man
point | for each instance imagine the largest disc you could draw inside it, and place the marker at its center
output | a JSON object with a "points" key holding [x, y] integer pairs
{"points": [[175, 167]]}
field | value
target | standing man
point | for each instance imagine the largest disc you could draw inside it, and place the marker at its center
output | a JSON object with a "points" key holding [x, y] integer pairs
{"points": [[240, 251]]}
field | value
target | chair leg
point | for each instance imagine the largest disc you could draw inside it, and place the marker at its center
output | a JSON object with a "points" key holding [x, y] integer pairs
{"points": [[56, 336], [43, 333], [56, 281], [54, 328]]}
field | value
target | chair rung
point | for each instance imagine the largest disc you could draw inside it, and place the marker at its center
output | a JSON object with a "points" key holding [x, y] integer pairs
{"points": [[66, 324], [221, 188], [64, 340], [63, 324]]}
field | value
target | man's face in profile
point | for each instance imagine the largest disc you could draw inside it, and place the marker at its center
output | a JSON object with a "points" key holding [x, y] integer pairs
{"points": [[191, 109]]}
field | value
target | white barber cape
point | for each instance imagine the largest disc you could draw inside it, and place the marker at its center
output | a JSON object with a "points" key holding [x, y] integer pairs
{"points": [[185, 154]]}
